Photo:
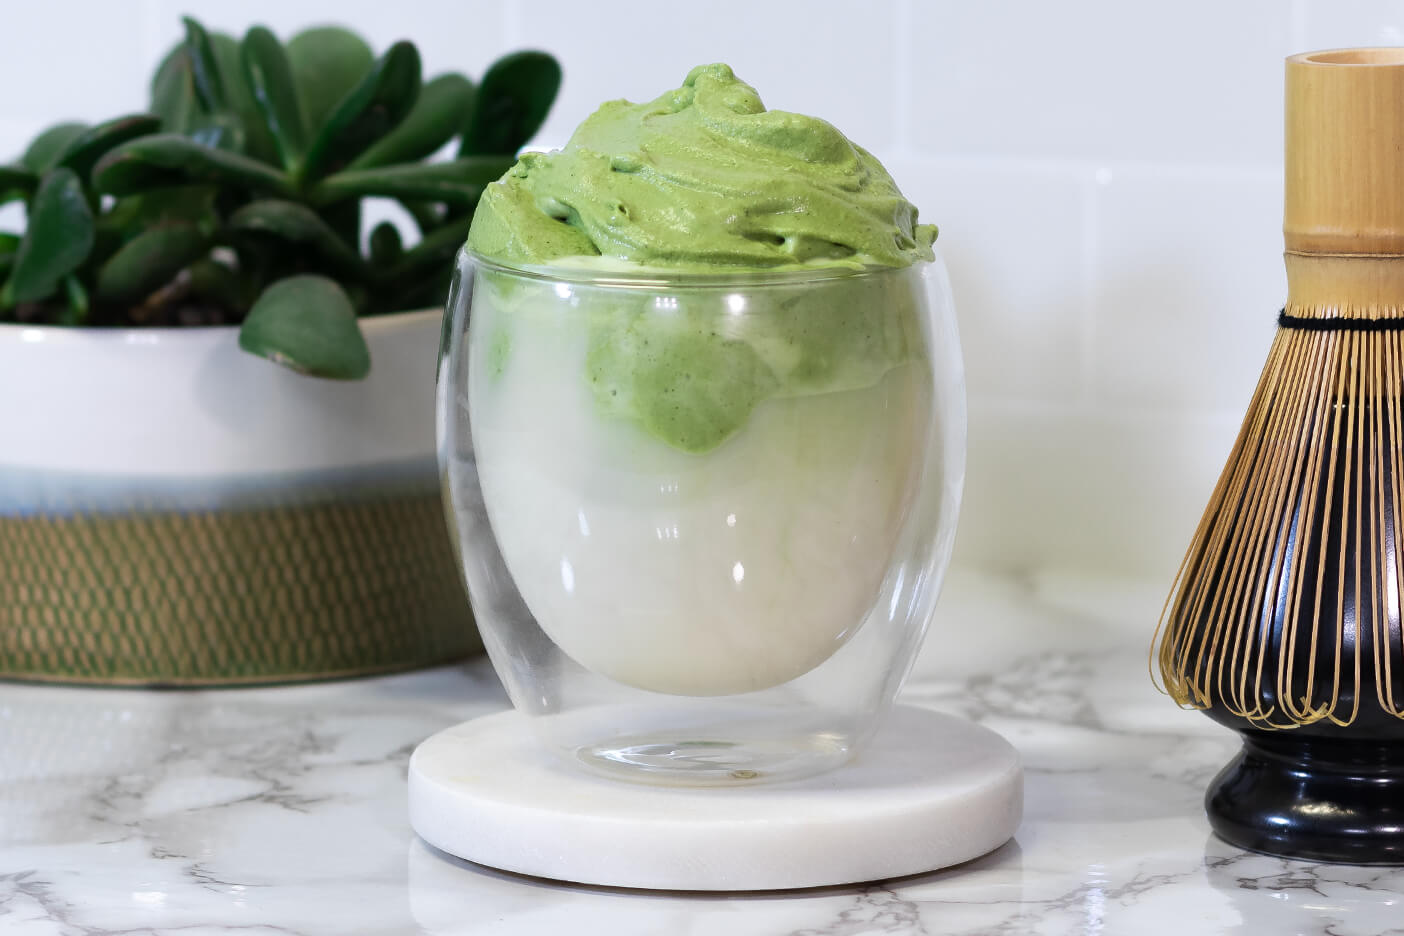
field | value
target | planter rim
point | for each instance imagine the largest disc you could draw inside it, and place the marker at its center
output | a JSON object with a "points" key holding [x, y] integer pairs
{"points": [[136, 404], [19, 332]]}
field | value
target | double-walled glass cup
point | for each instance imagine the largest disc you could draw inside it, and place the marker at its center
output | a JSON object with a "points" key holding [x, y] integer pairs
{"points": [[703, 518]]}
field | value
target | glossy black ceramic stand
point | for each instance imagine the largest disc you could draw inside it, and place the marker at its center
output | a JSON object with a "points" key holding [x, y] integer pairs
{"points": [[1318, 799], [1323, 791]]}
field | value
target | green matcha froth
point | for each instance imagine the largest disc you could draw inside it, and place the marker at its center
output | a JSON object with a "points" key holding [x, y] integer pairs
{"points": [[703, 176], [705, 179]]}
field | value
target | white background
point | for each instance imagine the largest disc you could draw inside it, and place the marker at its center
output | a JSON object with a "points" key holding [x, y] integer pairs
{"points": [[1107, 176]]}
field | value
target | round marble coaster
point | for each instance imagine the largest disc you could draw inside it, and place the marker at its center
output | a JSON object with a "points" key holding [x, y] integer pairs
{"points": [[931, 791]]}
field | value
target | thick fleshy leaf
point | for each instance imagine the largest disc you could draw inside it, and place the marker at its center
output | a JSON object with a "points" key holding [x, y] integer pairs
{"points": [[327, 62], [429, 291], [170, 159], [77, 309], [44, 151], [56, 241], [84, 150], [181, 204], [382, 99], [17, 182], [270, 79], [9, 243], [223, 131], [244, 130], [204, 67], [458, 183], [438, 113], [386, 247], [149, 261], [513, 100], [435, 250], [307, 323], [427, 215], [216, 283], [173, 91], [300, 225], [238, 127]]}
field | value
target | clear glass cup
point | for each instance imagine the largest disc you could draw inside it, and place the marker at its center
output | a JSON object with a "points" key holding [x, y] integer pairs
{"points": [[703, 518]]}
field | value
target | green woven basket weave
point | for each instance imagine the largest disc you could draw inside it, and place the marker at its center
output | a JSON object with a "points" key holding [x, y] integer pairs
{"points": [[260, 594]]}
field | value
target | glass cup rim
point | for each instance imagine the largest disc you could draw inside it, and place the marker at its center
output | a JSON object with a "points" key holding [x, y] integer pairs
{"points": [[645, 277]]}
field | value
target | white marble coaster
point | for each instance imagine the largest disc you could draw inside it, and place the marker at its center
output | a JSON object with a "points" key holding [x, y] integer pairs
{"points": [[931, 791]]}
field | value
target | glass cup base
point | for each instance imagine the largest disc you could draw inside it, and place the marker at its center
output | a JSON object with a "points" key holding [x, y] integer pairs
{"points": [[699, 760], [703, 519]]}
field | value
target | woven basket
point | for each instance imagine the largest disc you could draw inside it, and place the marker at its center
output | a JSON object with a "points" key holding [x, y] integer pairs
{"points": [[307, 541]]}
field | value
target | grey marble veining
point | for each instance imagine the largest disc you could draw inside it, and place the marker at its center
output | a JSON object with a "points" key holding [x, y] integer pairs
{"points": [[282, 811]]}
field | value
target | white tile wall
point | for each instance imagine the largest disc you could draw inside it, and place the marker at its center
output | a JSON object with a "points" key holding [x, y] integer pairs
{"points": [[1189, 277], [1106, 175], [797, 53], [1099, 79]]}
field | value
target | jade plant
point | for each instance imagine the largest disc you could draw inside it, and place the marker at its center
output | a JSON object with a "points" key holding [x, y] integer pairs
{"points": [[238, 198]]}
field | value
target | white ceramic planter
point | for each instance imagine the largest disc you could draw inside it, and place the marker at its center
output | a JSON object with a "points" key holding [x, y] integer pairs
{"points": [[173, 509]]}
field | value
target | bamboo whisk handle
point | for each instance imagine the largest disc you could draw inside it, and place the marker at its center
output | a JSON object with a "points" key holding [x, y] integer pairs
{"points": [[1345, 152]]}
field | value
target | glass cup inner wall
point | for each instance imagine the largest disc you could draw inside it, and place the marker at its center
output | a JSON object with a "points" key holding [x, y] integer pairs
{"points": [[703, 521]]}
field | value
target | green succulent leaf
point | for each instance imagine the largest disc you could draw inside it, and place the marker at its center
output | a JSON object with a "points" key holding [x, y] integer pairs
{"points": [[429, 291], [78, 309], [84, 150], [204, 67], [513, 100], [149, 261], [56, 242], [438, 113], [164, 159], [246, 131], [458, 183], [222, 131], [17, 182], [382, 99], [237, 127], [434, 252], [344, 218], [45, 149], [187, 204], [9, 243], [300, 225], [269, 76], [308, 324], [327, 62], [215, 282], [427, 215], [386, 247], [173, 91]]}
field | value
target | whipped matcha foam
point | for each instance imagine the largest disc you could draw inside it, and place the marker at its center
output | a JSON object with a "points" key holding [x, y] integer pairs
{"points": [[699, 178], [699, 488], [705, 179]]}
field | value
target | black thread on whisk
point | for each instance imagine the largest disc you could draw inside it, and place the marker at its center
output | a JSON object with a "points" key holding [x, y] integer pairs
{"points": [[1393, 323]]}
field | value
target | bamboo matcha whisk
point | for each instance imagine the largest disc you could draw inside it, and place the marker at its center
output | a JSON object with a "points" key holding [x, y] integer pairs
{"points": [[1286, 611]]}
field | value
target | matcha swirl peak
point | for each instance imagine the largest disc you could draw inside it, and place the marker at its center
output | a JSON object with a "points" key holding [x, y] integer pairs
{"points": [[702, 177]]}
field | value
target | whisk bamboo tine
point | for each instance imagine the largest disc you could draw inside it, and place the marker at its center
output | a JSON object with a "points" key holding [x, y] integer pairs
{"points": [[1286, 607], [1286, 610]]}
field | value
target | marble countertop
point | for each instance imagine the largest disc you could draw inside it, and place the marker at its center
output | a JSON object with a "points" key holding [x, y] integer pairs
{"points": [[282, 811]]}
